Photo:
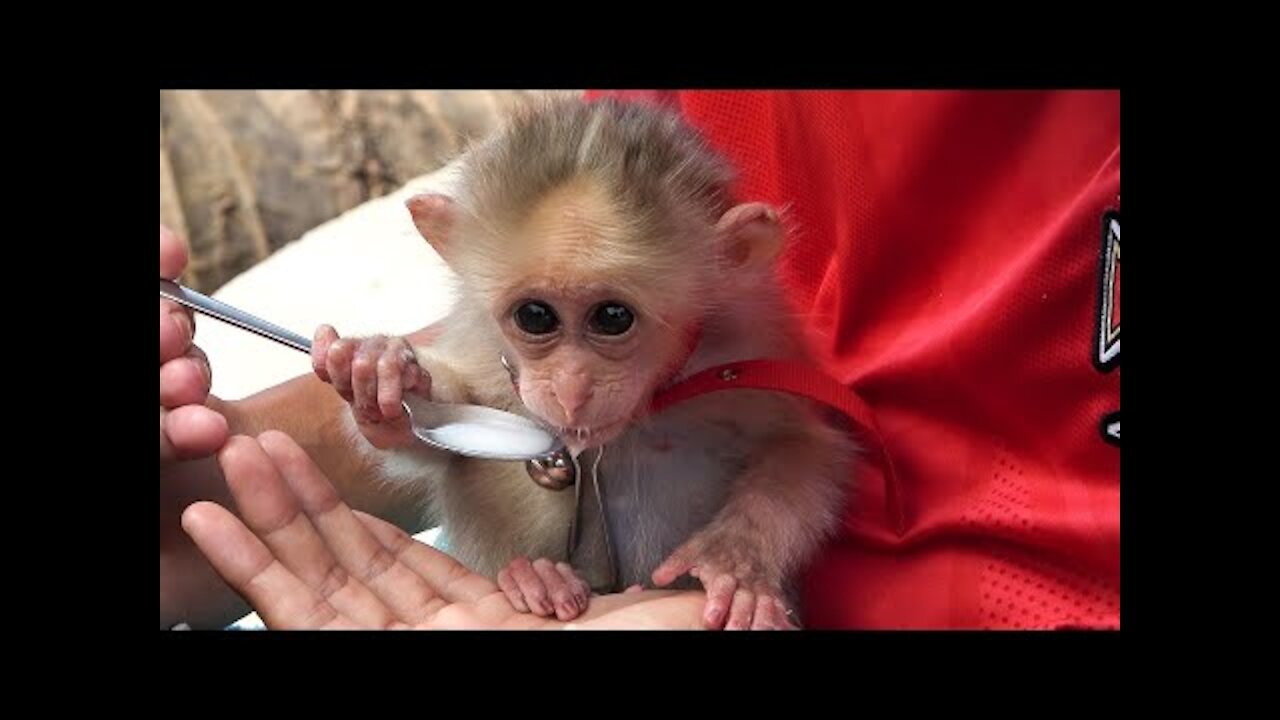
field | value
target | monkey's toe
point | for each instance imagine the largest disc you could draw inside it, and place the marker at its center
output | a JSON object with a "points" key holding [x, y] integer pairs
{"points": [[526, 586], [773, 614]]}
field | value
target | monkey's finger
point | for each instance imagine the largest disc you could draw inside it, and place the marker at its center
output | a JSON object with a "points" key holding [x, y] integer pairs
{"points": [[581, 591], [277, 595], [452, 580], [785, 617], [338, 366], [271, 509], [742, 610], [408, 596], [763, 616], [511, 589], [409, 375], [680, 562], [719, 599], [321, 343], [390, 387], [413, 377], [558, 590], [531, 587], [417, 380], [364, 379], [633, 589]]}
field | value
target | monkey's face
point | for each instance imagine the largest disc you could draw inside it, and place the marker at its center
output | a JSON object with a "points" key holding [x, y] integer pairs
{"points": [[596, 295], [587, 358]]}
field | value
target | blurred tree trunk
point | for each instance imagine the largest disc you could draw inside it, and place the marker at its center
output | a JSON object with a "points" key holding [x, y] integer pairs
{"points": [[244, 172]]}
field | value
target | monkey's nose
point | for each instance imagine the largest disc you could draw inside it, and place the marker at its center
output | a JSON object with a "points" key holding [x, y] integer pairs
{"points": [[572, 404]]}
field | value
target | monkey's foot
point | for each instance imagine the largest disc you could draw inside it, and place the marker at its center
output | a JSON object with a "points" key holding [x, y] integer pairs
{"points": [[544, 588]]}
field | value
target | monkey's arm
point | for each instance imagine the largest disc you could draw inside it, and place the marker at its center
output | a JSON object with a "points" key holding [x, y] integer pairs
{"points": [[779, 511]]}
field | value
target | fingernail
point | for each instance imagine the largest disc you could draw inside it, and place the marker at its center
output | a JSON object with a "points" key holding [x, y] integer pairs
{"points": [[207, 371], [183, 323]]}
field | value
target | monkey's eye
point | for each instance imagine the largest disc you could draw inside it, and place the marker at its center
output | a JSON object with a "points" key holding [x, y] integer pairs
{"points": [[611, 319], [536, 318]]}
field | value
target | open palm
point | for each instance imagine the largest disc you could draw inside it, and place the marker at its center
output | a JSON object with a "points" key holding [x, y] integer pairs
{"points": [[303, 559]]}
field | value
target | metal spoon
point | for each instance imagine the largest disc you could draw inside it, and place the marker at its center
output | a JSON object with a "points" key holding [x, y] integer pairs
{"points": [[469, 430]]}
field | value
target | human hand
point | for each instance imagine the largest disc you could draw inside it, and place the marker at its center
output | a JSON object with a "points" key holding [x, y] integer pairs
{"points": [[188, 428], [190, 433], [303, 559]]}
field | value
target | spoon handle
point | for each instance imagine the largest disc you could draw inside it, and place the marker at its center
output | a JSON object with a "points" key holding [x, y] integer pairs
{"points": [[422, 424], [224, 312]]}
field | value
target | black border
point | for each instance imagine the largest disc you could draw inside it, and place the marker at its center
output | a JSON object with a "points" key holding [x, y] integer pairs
{"points": [[428, 64], [431, 52]]}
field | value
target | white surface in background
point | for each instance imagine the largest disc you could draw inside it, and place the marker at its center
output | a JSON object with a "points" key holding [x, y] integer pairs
{"points": [[368, 271]]}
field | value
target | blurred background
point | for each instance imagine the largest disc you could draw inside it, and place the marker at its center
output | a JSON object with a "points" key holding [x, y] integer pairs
{"points": [[292, 204], [242, 173]]}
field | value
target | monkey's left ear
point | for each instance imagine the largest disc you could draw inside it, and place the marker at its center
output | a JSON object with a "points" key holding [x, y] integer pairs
{"points": [[434, 215], [750, 235]]}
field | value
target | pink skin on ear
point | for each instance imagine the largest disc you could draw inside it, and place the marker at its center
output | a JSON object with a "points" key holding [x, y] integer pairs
{"points": [[433, 214], [750, 233]]}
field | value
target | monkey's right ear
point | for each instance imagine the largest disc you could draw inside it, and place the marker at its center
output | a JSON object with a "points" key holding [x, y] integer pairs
{"points": [[750, 235], [434, 216]]}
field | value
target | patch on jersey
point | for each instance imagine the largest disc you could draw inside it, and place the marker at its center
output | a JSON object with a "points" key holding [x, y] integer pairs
{"points": [[1107, 353], [1106, 341], [1110, 427]]}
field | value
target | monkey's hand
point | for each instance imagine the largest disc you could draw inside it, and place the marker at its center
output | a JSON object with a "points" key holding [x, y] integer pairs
{"points": [[741, 587], [544, 588], [372, 374]]}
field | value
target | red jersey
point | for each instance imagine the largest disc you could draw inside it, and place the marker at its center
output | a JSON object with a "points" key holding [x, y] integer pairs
{"points": [[957, 257]]}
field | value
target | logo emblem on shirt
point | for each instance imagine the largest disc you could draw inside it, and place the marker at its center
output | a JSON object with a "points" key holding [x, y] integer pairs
{"points": [[1107, 356], [1106, 342], [1110, 427]]}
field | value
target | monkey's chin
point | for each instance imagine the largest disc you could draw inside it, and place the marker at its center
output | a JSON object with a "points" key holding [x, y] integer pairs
{"points": [[580, 439]]}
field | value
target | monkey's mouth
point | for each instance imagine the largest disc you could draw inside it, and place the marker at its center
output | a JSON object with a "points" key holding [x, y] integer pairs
{"points": [[582, 438]]}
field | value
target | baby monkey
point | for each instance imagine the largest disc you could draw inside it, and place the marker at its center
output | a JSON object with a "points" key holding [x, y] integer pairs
{"points": [[599, 257]]}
